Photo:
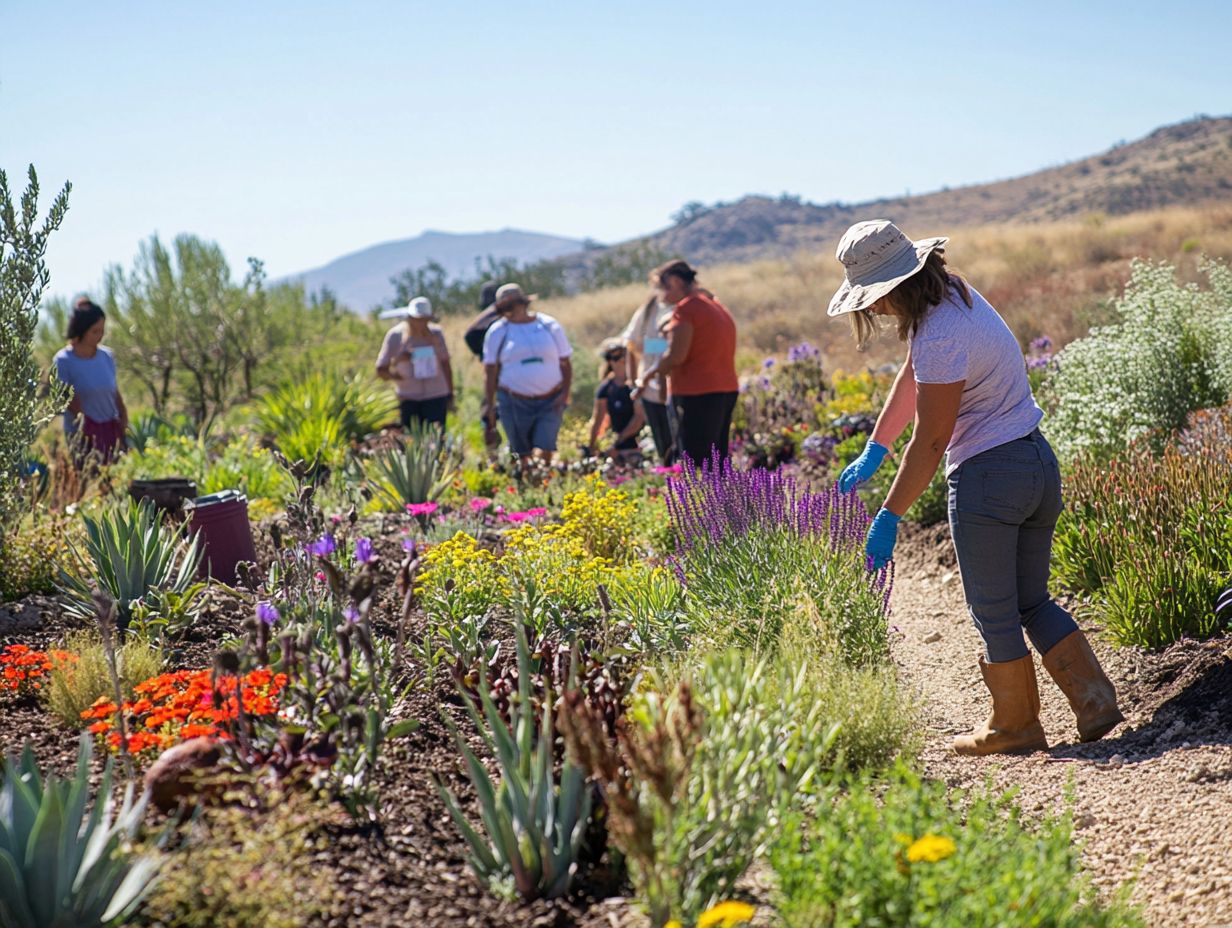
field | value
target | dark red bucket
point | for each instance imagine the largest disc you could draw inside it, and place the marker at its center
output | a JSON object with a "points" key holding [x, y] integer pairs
{"points": [[220, 522]]}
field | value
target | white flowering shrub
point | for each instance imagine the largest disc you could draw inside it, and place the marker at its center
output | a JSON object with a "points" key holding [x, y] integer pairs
{"points": [[1168, 353]]}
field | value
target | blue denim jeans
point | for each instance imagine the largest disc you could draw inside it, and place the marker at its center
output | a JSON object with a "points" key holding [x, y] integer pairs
{"points": [[1004, 505], [529, 424]]}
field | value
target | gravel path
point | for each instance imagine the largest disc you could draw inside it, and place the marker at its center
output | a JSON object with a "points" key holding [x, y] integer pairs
{"points": [[1153, 800]]}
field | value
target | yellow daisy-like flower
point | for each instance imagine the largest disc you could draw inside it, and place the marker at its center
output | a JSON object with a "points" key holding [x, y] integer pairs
{"points": [[930, 849], [673, 924], [726, 915]]}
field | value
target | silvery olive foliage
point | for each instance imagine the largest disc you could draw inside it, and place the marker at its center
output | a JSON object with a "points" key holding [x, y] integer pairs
{"points": [[1168, 353], [23, 278]]}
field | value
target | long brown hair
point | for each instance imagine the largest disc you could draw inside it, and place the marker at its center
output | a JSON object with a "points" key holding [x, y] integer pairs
{"points": [[911, 299]]}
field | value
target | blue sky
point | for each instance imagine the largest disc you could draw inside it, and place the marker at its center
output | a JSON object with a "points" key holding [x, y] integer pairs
{"points": [[299, 132]]}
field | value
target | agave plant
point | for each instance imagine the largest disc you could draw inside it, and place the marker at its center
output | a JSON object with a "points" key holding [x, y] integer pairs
{"points": [[130, 552], [59, 865], [416, 470], [357, 405], [534, 826]]}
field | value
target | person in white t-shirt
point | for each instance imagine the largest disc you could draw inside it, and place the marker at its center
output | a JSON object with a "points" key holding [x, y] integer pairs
{"points": [[965, 384], [528, 374], [415, 357], [646, 342]]}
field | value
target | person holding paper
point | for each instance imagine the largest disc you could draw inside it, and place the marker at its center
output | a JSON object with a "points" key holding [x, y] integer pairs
{"points": [[646, 342], [414, 356]]}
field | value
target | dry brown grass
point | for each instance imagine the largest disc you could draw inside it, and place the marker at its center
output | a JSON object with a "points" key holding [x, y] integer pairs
{"points": [[1045, 278]]}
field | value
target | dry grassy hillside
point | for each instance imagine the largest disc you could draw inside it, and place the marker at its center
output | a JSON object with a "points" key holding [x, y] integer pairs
{"points": [[1188, 164], [1053, 278]]}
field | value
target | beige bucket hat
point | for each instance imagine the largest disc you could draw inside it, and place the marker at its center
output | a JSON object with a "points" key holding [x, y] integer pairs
{"points": [[510, 293], [876, 258]]}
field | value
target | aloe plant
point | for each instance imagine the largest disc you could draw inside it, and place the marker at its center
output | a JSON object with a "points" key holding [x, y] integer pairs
{"points": [[59, 865], [415, 471], [130, 552], [534, 826]]}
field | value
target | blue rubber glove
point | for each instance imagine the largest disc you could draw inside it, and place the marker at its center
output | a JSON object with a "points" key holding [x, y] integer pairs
{"points": [[882, 536], [863, 467]]}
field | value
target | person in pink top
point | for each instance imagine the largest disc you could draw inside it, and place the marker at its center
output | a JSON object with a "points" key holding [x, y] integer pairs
{"points": [[415, 358]]}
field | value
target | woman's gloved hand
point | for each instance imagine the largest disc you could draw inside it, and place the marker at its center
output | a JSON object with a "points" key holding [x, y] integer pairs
{"points": [[863, 467], [882, 536]]}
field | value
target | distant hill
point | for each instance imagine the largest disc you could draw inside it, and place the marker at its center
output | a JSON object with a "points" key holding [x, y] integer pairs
{"points": [[360, 280], [1187, 164]]}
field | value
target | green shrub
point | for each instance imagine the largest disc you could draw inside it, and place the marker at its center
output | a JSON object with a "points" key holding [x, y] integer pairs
{"points": [[75, 685], [60, 865], [240, 464], [131, 554], [238, 870], [321, 411], [908, 852], [1149, 536], [1169, 353], [702, 774], [35, 551]]}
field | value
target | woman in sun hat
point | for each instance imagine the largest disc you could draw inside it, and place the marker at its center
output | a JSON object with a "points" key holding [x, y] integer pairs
{"points": [[414, 356], [965, 384], [699, 361], [528, 374]]}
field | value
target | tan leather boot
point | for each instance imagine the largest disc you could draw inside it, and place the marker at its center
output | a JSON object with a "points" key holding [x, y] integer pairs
{"points": [[1072, 664], [1014, 724]]}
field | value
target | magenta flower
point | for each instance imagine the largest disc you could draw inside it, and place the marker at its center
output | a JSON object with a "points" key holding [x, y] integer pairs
{"points": [[480, 503], [537, 512], [323, 546], [267, 612], [363, 550], [674, 469], [319, 576], [517, 516], [421, 509]]}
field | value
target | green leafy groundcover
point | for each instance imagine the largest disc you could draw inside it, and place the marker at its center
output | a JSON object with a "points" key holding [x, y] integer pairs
{"points": [[904, 851]]}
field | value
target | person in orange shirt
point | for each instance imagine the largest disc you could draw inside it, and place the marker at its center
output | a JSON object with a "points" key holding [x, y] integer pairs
{"points": [[700, 363]]}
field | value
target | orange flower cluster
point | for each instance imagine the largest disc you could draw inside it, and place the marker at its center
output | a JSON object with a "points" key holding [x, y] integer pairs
{"points": [[23, 667], [185, 704]]}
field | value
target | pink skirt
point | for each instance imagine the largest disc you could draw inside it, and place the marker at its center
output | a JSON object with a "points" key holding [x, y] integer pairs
{"points": [[104, 440]]}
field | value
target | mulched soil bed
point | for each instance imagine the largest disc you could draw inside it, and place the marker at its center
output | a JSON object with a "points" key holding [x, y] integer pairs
{"points": [[410, 869]]}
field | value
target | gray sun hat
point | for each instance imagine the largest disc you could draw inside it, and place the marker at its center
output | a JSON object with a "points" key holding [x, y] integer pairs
{"points": [[876, 258]]}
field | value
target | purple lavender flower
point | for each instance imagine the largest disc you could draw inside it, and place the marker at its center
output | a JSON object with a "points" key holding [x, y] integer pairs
{"points": [[768, 363], [267, 612], [408, 545], [1035, 363], [350, 613], [363, 551], [1043, 343], [323, 546]]}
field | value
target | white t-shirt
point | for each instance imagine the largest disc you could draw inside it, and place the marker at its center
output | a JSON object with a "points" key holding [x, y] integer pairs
{"points": [[529, 354], [644, 335], [955, 342]]}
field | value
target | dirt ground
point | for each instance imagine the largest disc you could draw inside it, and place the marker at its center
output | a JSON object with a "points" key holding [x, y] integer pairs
{"points": [[1152, 800]]}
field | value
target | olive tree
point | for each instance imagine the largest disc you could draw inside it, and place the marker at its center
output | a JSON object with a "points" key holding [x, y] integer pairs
{"points": [[24, 406]]}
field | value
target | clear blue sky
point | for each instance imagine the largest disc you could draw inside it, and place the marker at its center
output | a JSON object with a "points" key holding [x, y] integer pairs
{"points": [[297, 132]]}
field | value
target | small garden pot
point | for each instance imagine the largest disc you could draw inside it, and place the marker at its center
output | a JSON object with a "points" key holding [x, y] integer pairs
{"points": [[220, 522], [167, 493]]}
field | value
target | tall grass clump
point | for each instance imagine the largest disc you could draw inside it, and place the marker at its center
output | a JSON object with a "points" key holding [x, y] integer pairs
{"points": [[907, 851], [746, 537], [1149, 536], [1168, 353], [75, 685]]}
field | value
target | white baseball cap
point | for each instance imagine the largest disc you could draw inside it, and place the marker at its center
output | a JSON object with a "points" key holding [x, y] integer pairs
{"points": [[418, 308]]}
